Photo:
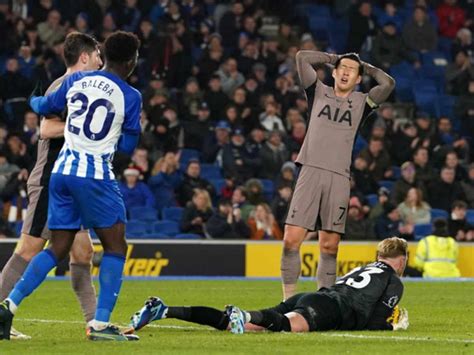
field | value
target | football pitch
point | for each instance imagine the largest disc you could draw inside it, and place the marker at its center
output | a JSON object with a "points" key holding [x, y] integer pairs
{"points": [[441, 321]]}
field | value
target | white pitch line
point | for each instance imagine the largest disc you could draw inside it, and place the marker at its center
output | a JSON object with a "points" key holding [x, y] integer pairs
{"points": [[333, 335]]}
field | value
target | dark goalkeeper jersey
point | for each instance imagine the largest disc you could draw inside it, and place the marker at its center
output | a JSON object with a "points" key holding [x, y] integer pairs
{"points": [[367, 296]]}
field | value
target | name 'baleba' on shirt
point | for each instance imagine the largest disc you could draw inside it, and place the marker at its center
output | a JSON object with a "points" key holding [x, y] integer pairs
{"points": [[101, 106]]}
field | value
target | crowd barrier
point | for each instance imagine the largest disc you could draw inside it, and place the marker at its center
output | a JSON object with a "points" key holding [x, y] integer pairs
{"points": [[234, 258]]}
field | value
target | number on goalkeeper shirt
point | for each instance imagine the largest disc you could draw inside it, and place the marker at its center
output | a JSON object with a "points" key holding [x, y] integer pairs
{"points": [[357, 282]]}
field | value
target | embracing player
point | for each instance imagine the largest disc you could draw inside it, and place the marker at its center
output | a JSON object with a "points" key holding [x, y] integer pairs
{"points": [[321, 195], [103, 116], [81, 52], [365, 298]]}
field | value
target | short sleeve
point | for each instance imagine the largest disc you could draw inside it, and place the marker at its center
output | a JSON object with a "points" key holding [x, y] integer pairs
{"points": [[133, 109]]}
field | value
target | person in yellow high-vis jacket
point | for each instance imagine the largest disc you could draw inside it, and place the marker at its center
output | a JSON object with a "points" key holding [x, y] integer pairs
{"points": [[437, 254]]}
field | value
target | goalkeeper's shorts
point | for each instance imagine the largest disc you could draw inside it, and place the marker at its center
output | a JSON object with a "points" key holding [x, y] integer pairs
{"points": [[320, 311]]}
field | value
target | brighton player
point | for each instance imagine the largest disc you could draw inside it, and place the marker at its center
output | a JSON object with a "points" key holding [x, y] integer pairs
{"points": [[366, 298], [321, 195], [103, 116], [81, 52]]}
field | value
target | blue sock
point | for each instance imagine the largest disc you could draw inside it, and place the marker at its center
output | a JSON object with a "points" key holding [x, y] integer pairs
{"points": [[33, 276], [110, 280]]}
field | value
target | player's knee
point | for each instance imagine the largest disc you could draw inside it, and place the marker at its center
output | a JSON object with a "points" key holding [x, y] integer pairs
{"points": [[329, 246], [29, 247], [82, 255], [293, 237]]}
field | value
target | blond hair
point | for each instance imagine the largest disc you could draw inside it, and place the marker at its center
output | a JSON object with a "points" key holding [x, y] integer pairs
{"points": [[392, 247], [206, 195]]}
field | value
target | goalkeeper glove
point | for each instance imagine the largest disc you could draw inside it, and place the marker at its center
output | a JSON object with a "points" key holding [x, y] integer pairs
{"points": [[401, 322]]}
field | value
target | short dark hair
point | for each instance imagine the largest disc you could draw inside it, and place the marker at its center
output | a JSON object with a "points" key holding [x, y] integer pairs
{"points": [[459, 204], [352, 56], [121, 47], [77, 43]]}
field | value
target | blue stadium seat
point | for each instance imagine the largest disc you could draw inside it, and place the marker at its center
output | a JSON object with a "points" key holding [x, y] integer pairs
{"points": [[470, 217], [372, 199], [170, 228], [187, 155], [143, 214], [425, 99], [172, 213], [210, 171], [422, 230], [268, 188], [397, 172], [338, 34], [403, 69], [404, 89], [444, 46], [218, 185], [136, 229], [155, 235], [18, 226], [359, 145], [387, 184], [439, 213], [187, 236], [446, 105]]}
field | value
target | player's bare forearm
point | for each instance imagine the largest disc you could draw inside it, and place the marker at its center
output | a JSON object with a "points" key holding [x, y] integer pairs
{"points": [[52, 128], [304, 64], [386, 83]]}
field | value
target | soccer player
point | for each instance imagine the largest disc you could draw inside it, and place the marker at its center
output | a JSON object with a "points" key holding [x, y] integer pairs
{"points": [[365, 298], [321, 194], [81, 52], [103, 116]]}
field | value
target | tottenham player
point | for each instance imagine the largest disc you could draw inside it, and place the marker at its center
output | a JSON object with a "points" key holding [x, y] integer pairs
{"points": [[103, 116], [365, 298], [81, 52], [321, 195]]}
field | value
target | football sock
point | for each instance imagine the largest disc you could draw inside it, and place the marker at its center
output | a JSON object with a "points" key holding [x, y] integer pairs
{"points": [[326, 273], [110, 280], [12, 271], [34, 275], [200, 315], [290, 271], [81, 281], [270, 320]]}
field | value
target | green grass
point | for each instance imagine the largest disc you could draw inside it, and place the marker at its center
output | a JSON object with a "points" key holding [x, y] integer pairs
{"points": [[441, 321]]}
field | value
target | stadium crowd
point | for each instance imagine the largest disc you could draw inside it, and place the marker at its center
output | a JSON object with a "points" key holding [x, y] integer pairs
{"points": [[224, 116]]}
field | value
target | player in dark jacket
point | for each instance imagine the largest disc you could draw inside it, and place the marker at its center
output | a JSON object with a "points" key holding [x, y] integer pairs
{"points": [[365, 298]]}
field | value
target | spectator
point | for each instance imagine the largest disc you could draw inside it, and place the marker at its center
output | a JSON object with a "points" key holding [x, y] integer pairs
{"points": [[298, 132], [390, 15], [135, 193], [263, 224], [235, 159], [468, 187], [378, 159], [164, 179], [377, 210], [232, 117], [424, 172], [31, 130], [26, 61], [215, 142], [390, 224], [286, 38], [405, 183], [445, 190], [192, 181], [452, 161], [239, 200], [459, 228], [451, 18], [17, 152], [6, 169], [196, 213], [389, 48], [464, 110], [363, 27], [419, 34], [269, 118], [216, 98], [14, 89], [192, 98], [424, 127], [244, 111], [227, 190], [458, 74], [231, 23], [404, 143], [51, 31], [445, 139], [254, 190], [357, 226], [437, 254], [463, 41], [281, 203], [129, 16], [197, 128], [363, 179], [287, 174], [272, 155], [414, 210], [227, 223], [141, 161], [230, 77]]}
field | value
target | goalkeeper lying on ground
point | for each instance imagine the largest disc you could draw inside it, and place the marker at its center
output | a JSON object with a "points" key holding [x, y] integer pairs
{"points": [[365, 298]]}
